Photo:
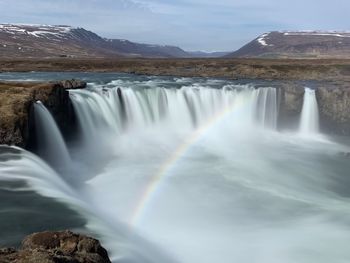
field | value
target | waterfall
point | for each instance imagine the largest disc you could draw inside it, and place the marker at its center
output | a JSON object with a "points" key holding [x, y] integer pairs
{"points": [[309, 115], [188, 170], [51, 145], [115, 109], [20, 165], [266, 107], [97, 109]]}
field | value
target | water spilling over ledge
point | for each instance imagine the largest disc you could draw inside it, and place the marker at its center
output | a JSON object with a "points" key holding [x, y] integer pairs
{"points": [[188, 108], [51, 143], [309, 120], [193, 170]]}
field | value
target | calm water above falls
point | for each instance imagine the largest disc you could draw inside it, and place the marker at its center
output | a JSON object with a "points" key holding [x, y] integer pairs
{"points": [[188, 170]]}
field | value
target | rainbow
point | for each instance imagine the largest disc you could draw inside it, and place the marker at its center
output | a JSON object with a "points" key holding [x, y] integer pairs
{"points": [[156, 181]]}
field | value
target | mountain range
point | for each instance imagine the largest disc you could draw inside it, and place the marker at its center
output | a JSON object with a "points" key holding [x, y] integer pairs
{"points": [[60, 41], [47, 41]]}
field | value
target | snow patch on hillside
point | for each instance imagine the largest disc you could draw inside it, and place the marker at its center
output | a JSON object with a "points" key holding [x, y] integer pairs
{"points": [[263, 40], [35, 30], [317, 33]]}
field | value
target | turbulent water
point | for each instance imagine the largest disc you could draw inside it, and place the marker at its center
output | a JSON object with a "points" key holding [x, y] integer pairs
{"points": [[193, 170]]}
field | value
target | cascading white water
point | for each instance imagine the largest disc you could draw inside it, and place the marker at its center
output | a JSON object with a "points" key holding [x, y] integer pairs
{"points": [[266, 103], [21, 165], [212, 197], [309, 121], [97, 109], [51, 145], [196, 168], [188, 107]]}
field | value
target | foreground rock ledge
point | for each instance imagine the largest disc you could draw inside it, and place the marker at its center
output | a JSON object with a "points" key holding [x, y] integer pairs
{"points": [[56, 247], [17, 98]]}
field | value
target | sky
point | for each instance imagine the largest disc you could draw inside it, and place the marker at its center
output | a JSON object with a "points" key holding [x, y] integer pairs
{"points": [[206, 25]]}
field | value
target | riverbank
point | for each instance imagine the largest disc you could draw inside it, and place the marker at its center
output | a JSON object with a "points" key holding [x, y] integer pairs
{"points": [[274, 69]]}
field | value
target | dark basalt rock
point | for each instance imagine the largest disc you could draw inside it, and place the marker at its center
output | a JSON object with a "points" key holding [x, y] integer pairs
{"points": [[56, 247], [334, 107], [333, 103], [73, 84], [291, 102]]}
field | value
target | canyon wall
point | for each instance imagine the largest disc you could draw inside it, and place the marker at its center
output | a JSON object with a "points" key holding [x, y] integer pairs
{"points": [[334, 106], [333, 103], [17, 118]]}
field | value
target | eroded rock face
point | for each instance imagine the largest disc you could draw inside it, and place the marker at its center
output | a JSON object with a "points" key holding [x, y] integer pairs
{"points": [[56, 247], [16, 100], [291, 102], [334, 108], [72, 84], [333, 104]]}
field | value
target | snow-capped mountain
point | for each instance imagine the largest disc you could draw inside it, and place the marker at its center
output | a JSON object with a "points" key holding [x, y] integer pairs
{"points": [[46, 41], [298, 44], [35, 30]]}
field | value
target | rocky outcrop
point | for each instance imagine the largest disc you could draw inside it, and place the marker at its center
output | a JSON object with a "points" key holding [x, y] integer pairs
{"points": [[56, 247], [334, 107], [333, 103], [16, 100], [291, 102]]}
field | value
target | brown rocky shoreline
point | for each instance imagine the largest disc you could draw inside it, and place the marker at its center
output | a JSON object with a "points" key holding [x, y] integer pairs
{"points": [[274, 69], [56, 247]]}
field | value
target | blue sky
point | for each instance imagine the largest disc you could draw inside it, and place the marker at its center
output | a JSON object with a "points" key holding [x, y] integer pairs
{"points": [[191, 24]]}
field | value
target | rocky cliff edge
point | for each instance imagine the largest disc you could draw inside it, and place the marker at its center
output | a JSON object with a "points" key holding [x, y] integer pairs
{"points": [[16, 100]]}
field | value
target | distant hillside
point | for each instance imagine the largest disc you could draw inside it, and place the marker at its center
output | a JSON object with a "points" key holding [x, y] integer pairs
{"points": [[46, 41], [201, 54], [145, 50], [297, 44]]}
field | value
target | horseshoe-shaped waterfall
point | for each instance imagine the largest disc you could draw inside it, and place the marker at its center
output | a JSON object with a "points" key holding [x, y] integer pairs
{"points": [[193, 170]]}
